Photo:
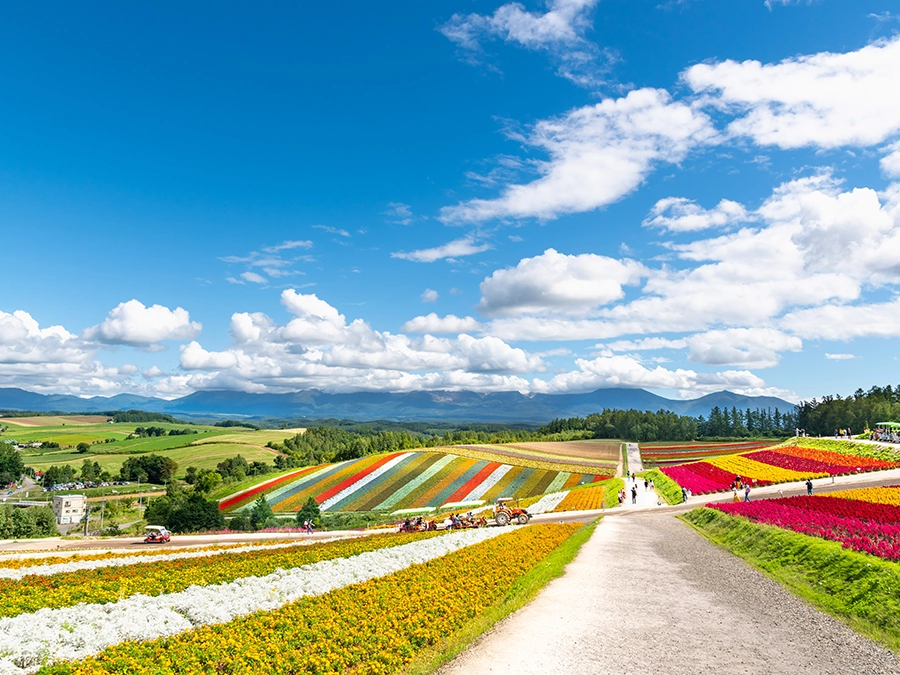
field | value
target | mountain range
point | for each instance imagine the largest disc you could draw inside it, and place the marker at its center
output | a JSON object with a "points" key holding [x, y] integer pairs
{"points": [[410, 406]]}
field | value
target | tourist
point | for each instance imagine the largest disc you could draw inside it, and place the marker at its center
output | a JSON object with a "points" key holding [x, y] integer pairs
{"points": [[684, 494], [747, 492], [809, 486], [646, 485], [634, 494]]}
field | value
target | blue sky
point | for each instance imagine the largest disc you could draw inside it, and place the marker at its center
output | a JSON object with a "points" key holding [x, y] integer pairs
{"points": [[683, 196]]}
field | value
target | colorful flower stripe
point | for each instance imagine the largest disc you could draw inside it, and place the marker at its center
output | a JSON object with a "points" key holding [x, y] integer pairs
{"points": [[112, 555], [693, 453], [417, 498], [324, 498], [489, 482], [797, 463], [499, 453], [702, 446], [503, 484], [386, 486], [431, 470], [278, 498], [52, 568], [588, 499], [853, 461], [252, 493], [748, 469], [110, 584], [374, 627], [461, 494], [315, 487], [866, 536], [459, 481], [876, 495], [364, 479]]}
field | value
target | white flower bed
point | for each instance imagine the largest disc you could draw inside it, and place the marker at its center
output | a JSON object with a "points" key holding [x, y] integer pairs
{"points": [[29, 640], [547, 503], [58, 568], [362, 482]]}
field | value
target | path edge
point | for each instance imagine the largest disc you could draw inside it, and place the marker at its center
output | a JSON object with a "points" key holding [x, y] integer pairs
{"points": [[526, 589]]}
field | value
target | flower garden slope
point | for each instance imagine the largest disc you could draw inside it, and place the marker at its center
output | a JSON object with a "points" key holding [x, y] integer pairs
{"points": [[408, 480], [373, 627]]}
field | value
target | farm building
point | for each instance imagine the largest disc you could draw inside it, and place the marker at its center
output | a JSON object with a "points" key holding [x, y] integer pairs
{"points": [[68, 509]]}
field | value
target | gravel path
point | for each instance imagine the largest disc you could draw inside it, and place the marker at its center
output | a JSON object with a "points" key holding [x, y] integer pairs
{"points": [[647, 594]]}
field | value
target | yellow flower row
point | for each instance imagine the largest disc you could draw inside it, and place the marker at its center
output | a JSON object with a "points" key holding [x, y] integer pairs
{"points": [[109, 584], [875, 495], [586, 499], [748, 468], [370, 628]]}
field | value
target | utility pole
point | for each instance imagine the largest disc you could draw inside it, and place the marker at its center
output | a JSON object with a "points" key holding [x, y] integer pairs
{"points": [[102, 509], [87, 517]]}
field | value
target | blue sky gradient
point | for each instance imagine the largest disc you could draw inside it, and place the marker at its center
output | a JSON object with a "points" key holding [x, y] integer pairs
{"points": [[463, 195]]}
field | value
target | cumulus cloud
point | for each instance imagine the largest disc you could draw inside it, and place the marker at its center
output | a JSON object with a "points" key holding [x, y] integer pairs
{"points": [[598, 154], [132, 323], [559, 32], [628, 372], [555, 282], [890, 163], [434, 324], [429, 295], [846, 322], [677, 214], [747, 347], [823, 100], [454, 249]]}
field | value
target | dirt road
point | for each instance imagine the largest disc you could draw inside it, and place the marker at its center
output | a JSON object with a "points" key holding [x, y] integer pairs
{"points": [[647, 594]]}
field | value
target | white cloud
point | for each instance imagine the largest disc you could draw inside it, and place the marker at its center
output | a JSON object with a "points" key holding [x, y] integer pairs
{"points": [[434, 324], [429, 295], [644, 344], [746, 347], [332, 230], [152, 373], [194, 357], [555, 282], [626, 371], [824, 100], [288, 245], [454, 249], [840, 357], [677, 214], [399, 213], [132, 323], [559, 32], [890, 163], [846, 322], [254, 278], [598, 154]]}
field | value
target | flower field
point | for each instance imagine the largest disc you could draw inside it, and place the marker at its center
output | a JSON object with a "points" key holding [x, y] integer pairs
{"points": [[865, 520], [779, 464], [655, 455], [410, 480], [350, 614], [587, 499]]}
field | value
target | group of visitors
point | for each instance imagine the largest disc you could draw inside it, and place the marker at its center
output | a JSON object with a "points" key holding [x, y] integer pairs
{"points": [[634, 480], [739, 485], [886, 435], [308, 526], [843, 433], [686, 494]]}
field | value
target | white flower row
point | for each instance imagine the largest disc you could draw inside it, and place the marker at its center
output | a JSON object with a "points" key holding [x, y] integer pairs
{"points": [[28, 641], [422, 478], [75, 566], [362, 482], [547, 503]]}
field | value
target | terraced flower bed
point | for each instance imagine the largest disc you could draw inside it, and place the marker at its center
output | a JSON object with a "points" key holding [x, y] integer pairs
{"points": [[779, 464], [666, 455], [865, 520]]}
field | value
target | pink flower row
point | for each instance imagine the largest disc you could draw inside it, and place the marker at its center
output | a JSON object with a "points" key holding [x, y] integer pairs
{"points": [[877, 538]]}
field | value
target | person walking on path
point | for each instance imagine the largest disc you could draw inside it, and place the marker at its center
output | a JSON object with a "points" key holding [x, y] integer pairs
{"points": [[683, 494], [747, 492], [809, 486], [634, 494]]}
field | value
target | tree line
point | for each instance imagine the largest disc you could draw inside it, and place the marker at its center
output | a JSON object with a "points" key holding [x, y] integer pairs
{"points": [[663, 425], [861, 410]]}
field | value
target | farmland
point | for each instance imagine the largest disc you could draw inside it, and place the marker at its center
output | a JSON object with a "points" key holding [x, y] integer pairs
{"points": [[110, 444]]}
